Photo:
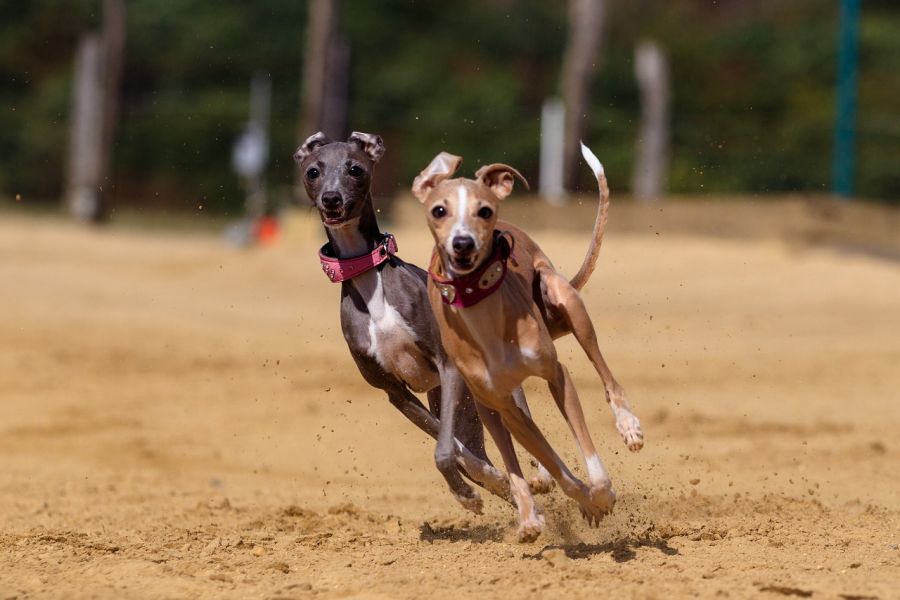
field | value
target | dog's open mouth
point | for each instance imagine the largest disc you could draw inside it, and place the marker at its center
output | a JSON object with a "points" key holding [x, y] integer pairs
{"points": [[333, 217], [462, 263]]}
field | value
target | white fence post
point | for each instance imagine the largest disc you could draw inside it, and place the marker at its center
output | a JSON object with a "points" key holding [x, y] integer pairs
{"points": [[553, 119], [652, 72], [86, 137]]}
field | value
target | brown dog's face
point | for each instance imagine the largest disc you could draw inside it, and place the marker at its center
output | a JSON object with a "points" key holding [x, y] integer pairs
{"points": [[461, 212], [337, 175], [461, 215]]}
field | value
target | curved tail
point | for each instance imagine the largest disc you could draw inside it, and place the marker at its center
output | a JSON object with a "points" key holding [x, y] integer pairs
{"points": [[590, 259]]}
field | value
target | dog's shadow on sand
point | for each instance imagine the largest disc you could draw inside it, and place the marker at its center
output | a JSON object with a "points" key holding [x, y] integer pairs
{"points": [[477, 534], [622, 550]]}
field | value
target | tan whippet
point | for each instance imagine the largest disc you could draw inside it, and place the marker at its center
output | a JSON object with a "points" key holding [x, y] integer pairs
{"points": [[499, 304]]}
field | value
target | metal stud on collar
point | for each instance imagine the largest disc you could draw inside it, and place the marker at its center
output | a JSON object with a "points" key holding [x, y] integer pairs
{"points": [[448, 292]]}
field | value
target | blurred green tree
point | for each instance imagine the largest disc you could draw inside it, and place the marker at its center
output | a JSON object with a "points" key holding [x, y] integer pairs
{"points": [[752, 91]]}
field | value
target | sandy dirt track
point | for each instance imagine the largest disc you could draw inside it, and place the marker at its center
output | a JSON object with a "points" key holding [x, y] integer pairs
{"points": [[180, 419]]}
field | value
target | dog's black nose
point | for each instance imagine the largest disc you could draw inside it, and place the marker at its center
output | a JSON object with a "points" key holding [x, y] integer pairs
{"points": [[331, 200], [463, 244]]}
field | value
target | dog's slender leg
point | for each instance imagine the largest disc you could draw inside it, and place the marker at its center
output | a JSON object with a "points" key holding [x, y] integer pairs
{"points": [[434, 401], [449, 448], [566, 299], [595, 502], [413, 410], [445, 453], [470, 435], [542, 482], [531, 522], [563, 391], [467, 427]]}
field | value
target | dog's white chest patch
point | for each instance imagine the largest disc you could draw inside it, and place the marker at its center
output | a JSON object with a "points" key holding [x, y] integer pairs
{"points": [[530, 355], [392, 343]]}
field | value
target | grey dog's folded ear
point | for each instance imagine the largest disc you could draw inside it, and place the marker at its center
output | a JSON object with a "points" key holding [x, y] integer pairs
{"points": [[369, 143], [499, 178], [441, 167], [307, 147]]}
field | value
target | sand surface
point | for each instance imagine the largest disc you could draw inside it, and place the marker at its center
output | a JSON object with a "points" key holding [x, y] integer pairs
{"points": [[181, 419]]}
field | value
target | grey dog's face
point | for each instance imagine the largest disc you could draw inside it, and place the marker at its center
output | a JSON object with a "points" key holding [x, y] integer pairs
{"points": [[337, 175]]}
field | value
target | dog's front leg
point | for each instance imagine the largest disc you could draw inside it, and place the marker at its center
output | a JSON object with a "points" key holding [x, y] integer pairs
{"points": [[595, 502], [531, 521], [563, 391], [542, 482], [445, 453], [468, 443]]}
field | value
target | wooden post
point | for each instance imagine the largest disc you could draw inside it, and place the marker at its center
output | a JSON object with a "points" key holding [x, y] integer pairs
{"points": [[579, 65], [652, 71]]}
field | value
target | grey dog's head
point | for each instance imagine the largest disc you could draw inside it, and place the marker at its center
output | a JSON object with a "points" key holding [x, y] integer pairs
{"points": [[336, 175]]}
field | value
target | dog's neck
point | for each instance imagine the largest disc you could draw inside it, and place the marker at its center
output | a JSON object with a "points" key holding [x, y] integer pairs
{"points": [[357, 236]]}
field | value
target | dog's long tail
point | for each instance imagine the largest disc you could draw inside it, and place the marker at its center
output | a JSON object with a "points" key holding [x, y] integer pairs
{"points": [[590, 259]]}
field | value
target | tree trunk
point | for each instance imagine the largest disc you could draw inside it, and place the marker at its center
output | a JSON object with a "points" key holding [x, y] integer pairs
{"points": [[586, 19], [652, 71], [320, 51], [337, 84], [325, 82], [113, 64]]}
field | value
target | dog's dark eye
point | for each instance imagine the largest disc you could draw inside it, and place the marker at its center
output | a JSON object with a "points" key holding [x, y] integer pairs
{"points": [[485, 212], [438, 212], [355, 171], [312, 173]]}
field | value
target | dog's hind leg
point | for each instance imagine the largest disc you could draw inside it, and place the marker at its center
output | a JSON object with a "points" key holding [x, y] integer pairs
{"points": [[565, 299], [531, 522], [542, 482]]}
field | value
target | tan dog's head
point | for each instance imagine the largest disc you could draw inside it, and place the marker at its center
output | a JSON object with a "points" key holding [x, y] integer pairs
{"points": [[462, 212]]}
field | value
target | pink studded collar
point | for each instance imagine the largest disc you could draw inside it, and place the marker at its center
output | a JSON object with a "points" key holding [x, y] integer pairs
{"points": [[344, 269]]}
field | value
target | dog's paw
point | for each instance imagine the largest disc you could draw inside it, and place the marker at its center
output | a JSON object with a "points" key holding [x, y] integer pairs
{"points": [[530, 529], [542, 482], [630, 429], [496, 482], [473, 503], [601, 500]]}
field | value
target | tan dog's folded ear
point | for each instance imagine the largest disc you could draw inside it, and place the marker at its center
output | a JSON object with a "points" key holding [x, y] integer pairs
{"points": [[369, 143], [442, 166], [307, 147], [499, 178]]}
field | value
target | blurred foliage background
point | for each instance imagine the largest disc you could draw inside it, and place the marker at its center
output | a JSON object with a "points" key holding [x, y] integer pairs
{"points": [[752, 111]]}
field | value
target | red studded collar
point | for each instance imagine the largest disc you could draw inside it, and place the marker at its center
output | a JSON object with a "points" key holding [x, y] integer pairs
{"points": [[470, 289]]}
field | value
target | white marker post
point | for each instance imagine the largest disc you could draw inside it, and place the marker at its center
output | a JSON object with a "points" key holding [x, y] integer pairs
{"points": [[553, 117]]}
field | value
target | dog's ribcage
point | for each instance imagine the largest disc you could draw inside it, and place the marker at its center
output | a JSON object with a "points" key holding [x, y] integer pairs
{"points": [[392, 341]]}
